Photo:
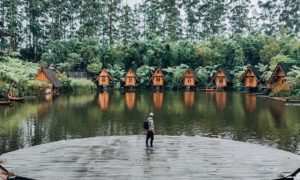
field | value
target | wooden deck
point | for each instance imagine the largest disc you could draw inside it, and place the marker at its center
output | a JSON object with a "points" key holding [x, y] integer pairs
{"points": [[126, 157]]}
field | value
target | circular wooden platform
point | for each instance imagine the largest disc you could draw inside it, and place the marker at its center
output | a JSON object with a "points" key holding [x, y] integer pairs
{"points": [[126, 157]]}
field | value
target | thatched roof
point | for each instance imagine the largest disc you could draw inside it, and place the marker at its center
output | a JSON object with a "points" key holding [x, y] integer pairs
{"points": [[286, 67], [51, 75], [227, 75], [252, 69]]}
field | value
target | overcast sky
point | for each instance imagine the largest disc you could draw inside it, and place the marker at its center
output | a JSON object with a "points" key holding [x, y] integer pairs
{"points": [[132, 2]]}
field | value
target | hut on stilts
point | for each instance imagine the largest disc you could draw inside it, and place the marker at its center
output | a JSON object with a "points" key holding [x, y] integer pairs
{"points": [[130, 80], [220, 79], [189, 80], [250, 79], [104, 80], [49, 76], [157, 79], [278, 81]]}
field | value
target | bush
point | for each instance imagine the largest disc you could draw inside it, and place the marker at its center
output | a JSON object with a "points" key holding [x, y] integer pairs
{"points": [[82, 85]]}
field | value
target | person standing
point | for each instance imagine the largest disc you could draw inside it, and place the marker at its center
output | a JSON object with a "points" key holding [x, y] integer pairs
{"points": [[149, 127]]}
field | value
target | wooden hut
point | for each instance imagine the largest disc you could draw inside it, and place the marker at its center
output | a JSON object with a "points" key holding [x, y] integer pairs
{"points": [[104, 79], [130, 80], [189, 79], [250, 78], [158, 79], [221, 79], [49, 76], [278, 81]]}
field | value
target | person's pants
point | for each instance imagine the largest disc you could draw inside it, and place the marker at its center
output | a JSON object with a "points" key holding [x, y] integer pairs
{"points": [[150, 135]]}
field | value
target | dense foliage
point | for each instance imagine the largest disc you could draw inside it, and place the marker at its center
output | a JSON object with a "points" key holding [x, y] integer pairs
{"points": [[174, 35]]}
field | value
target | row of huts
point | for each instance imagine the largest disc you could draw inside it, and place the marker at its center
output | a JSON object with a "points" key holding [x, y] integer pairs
{"points": [[220, 80]]}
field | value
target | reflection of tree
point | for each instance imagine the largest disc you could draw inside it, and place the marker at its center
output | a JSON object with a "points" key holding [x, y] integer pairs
{"points": [[277, 111], [103, 100], [189, 98], [130, 100], [158, 99], [250, 103]]}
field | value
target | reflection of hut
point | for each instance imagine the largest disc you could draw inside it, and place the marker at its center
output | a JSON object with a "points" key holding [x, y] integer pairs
{"points": [[221, 100], [158, 99], [130, 79], [49, 76], [250, 78], [250, 103], [189, 79], [130, 100], [104, 79], [278, 81], [220, 79], [103, 100], [189, 98], [158, 79]]}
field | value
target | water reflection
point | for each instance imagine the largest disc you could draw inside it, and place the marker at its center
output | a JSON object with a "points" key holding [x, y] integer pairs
{"points": [[189, 98], [158, 99], [221, 100], [250, 103], [229, 115], [103, 100], [130, 100]]}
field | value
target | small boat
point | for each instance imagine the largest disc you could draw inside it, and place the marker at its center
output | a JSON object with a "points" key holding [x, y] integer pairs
{"points": [[210, 90], [5, 103], [18, 99]]}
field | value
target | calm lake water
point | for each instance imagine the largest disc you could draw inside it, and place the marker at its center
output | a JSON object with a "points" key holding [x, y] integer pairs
{"points": [[234, 116]]}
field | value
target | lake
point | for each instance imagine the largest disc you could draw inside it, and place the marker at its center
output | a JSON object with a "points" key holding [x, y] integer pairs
{"points": [[240, 117]]}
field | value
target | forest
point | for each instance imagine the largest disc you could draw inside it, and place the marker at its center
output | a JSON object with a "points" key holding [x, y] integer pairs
{"points": [[88, 35]]}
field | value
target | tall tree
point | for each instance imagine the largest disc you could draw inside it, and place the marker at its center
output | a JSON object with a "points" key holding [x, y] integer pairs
{"points": [[34, 11], [290, 15], [172, 19], [238, 15], [190, 9], [212, 17], [127, 25], [11, 18], [269, 15], [152, 18], [112, 14], [90, 16]]}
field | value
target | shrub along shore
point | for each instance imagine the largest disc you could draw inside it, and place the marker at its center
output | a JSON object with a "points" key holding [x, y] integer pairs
{"points": [[13, 70], [88, 55]]}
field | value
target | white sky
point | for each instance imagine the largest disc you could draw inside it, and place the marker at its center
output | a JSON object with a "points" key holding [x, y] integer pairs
{"points": [[132, 2]]}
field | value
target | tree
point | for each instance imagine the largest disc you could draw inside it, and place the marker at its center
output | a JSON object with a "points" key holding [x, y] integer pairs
{"points": [[127, 25], [269, 16], [212, 17], [290, 15], [35, 29], [238, 15], [190, 8], [172, 20], [152, 18]]}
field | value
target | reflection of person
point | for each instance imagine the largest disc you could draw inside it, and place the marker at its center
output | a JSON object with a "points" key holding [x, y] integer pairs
{"points": [[149, 127]]}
